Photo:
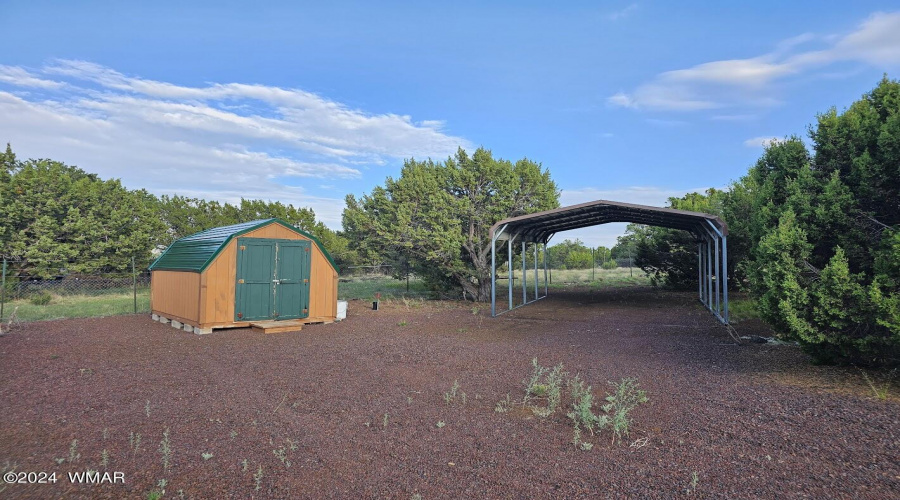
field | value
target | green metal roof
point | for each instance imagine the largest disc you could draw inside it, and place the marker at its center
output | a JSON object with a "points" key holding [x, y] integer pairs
{"points": [[196, 252]]}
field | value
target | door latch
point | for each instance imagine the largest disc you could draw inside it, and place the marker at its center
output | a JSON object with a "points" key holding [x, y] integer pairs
{"points": [[241, 281]]}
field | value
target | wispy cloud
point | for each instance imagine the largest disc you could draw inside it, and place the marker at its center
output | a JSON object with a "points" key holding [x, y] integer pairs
{"points": [[747, 82], [223, 140], [21, 77], [622, 13], [761, 142]]}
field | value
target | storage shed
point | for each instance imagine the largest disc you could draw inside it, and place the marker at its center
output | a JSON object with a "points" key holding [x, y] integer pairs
{"points": [[249, 274]]}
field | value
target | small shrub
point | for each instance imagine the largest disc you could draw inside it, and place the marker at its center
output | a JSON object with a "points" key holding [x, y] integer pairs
{"points": [[503, 405], [206, 456], [582, 407], [73, 451], [257, 478], [281, 454], [544, 382], [165, 449], [134, 441], [695, 480], [41, 298], [104, 459], [402, 323], [244, 464], [627, 397], [440, 424], [455, 393]]}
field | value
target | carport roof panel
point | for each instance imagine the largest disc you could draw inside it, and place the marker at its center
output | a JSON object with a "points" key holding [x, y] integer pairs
{"points": [[540, 225]]}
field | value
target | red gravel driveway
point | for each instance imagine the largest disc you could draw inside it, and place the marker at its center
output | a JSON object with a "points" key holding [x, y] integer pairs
{"points": [[352, 409]]}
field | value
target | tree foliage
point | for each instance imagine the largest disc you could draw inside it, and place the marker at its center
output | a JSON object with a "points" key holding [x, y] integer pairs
{"points": [[58, 219], [669, 256], [813, 235], [435, 218]]}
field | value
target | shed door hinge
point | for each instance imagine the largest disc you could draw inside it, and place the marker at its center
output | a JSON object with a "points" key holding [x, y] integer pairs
{"points": [[243, 247], [306, 281], [241, 281], [306, 249]]}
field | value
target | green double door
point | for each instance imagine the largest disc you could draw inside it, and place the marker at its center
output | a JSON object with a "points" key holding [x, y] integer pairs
{"points": [[272, 279]]}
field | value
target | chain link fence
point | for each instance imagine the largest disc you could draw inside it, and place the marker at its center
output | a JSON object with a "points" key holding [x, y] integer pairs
{"points": [[25, 296]]}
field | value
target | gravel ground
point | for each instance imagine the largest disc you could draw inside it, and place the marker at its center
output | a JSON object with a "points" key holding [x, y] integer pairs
{"points": [[351, 410]]}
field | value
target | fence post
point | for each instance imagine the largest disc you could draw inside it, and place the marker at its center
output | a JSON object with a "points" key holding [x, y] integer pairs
{"points": [[134, 283], [3, 290]]}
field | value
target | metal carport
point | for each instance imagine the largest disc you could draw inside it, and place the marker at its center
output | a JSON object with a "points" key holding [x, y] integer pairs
{"points": [[711, 234]]}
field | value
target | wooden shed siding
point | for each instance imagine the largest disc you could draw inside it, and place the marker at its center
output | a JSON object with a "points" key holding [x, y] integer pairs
{"points": [[176, 293], [323, 286], [217, 286]]}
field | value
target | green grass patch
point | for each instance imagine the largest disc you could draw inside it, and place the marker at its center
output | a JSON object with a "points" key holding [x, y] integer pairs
{"points": [[79, 306], [742, 309], [365, 288], [622, 276]]}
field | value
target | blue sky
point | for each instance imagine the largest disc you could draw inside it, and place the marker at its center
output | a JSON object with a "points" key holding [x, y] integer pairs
{"points": [[630, 101]]}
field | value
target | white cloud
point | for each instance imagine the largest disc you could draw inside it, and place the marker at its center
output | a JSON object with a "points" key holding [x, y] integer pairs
{"points": [[220, 141], [15, 75], [747, 82], [761, 142], [622, 13]]}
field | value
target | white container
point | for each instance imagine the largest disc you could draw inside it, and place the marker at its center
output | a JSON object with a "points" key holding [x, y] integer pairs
{"points": [[342, 310]]}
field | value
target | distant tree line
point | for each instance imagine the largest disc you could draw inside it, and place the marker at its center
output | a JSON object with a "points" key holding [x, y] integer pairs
{"points": [[57, 219], [574, 254], [814, 234]]}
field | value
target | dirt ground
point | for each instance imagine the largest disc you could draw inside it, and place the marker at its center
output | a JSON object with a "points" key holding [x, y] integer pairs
{"points": [[352, 409]]}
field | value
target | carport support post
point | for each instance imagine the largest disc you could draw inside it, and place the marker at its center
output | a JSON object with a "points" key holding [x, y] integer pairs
{"points": [[725, 274], [509, 268], [718, 310], [493, 277], [545, 270], [709, 274], [524, 276], [535, 245], [700, 270]]}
